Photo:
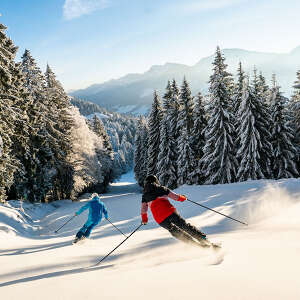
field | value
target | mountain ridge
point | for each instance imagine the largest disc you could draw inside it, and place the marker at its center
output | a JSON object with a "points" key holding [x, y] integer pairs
{"points": [[136, 89]]}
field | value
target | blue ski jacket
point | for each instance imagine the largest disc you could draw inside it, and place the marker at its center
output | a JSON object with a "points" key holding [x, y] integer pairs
{"points": [[96, 209]]}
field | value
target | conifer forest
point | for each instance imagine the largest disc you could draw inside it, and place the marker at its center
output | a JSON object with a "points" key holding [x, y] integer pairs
{"points": [[242, 129], [49, 151]]}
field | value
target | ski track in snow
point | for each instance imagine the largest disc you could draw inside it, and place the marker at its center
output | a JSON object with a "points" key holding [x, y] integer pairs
{"points": [[259, 261]]}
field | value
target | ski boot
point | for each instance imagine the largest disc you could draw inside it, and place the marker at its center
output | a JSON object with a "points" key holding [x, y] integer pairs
{"points": [[77, 239]]}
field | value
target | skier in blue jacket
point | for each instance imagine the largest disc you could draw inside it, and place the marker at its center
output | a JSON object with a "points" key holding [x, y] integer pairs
{"points": [[96, 209]]}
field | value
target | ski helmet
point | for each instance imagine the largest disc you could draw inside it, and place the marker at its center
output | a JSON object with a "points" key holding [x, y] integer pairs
{"points": [[94, 195], [151, 179]]}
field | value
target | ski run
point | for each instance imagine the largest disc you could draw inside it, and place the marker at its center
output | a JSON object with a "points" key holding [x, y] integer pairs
{"points": [[259, 261]]}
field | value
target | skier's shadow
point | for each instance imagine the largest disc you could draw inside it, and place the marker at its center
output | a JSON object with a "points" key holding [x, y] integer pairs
{"points": [[34, 249], [55, 274]]}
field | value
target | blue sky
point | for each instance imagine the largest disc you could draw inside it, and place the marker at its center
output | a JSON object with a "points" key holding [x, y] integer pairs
{"points": [[91, 41]]}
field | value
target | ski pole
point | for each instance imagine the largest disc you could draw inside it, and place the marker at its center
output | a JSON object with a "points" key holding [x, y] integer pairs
{"points": [[56, 231], [217, 212], [116, 227], [119, 245]]}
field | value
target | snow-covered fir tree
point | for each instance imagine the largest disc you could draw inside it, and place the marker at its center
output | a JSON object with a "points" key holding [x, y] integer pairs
{"points": [[219, 162], [99, 129], [14, 110], [141, 152], [237, 100], [21, 136], [239, 89], [166, 157], [167, 98], [261, 92], [185, 123], [88, 174], [296, 92], [154, 122], [59, 126], [7, 114], [105, 153], [39, 169], [50, 174], [284, 152], [294, 111], [173, 120], [252, 156], [138, 158], [294, 104], [197, 137], [231, 94], [263, 88]]}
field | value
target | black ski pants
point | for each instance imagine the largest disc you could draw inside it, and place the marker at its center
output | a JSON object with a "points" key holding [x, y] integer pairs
{"points": [[180, 229]]}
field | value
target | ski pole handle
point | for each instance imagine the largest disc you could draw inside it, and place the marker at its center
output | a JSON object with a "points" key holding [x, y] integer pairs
{"points": [[56, 231], [217, 212]]}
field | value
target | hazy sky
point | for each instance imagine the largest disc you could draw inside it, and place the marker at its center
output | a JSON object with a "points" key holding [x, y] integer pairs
{"points": [[91, 41]]}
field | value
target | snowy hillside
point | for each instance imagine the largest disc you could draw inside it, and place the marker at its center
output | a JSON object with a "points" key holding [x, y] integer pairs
{"points": [[259, 261]]}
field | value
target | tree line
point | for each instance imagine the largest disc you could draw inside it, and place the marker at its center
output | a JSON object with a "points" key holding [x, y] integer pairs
{"points": [[48, 151], [242, 129]]}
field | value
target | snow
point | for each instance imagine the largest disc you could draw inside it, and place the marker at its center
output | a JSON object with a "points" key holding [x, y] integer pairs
{"points": [[132, 109], [126, 179], [259, 261], [99, 115], [1, 146]]}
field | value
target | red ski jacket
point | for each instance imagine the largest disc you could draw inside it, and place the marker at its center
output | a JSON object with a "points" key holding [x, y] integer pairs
{"points": [[157, 199]]}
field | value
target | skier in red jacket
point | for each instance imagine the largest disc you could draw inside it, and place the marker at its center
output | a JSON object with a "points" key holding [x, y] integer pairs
{"points": [[165, 214]]}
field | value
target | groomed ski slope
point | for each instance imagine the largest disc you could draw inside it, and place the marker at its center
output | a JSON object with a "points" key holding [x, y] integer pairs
{"points": [[261, 261]]}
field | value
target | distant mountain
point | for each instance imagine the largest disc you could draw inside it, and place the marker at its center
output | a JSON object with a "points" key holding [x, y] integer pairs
{"points": [[133, 92]]}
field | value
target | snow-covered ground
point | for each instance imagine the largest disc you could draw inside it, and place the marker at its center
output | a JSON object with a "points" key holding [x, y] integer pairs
{"points": [[259, 261]]}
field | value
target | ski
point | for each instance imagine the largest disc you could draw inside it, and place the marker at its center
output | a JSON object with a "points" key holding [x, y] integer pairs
{"points": [[204, 242], [207, 243]]}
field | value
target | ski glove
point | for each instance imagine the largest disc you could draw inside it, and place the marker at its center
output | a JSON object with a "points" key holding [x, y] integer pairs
{"points": [[144, 219], [181, 198]]}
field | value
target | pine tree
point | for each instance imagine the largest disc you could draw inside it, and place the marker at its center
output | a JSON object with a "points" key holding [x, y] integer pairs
{"points": [[229, 80], [172, 120], [21, 135], [105, 153], [263, 89], [166, 162], [294, 111], [254, 160], [186, 106], [60, 123], [261, 92], [99, 129], [284, 152], [7, 114], [239, 88], [294, 105], [218, 161], [44, 137], [144, 152], [185, 123], [139, 152], [255, 83], [167, 98], [154, 122], [198, 138]]}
